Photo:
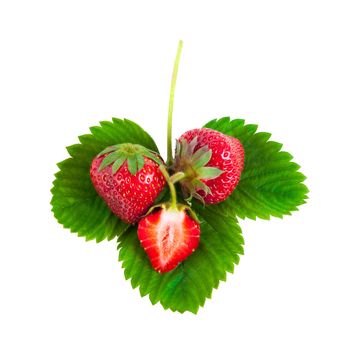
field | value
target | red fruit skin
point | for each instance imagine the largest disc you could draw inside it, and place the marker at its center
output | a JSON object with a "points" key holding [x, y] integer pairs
{"points": [[227, 155], [168, 238], [128, 196]]}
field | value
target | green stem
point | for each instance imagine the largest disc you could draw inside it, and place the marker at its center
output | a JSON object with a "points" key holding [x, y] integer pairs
{"points": [[171, 180], [177, 177], [173, 199], [171, 103], [173, 202]]}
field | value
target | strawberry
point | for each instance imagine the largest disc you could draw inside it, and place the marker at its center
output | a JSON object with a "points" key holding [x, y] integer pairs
{"points": [[212, 163], [128, 178], [168, 236]]}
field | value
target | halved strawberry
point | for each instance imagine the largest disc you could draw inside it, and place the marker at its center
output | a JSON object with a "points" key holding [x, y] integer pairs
{"points": [[168, 236]]}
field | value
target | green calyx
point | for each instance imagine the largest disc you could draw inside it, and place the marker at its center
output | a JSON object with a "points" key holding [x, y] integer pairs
{"points": [[173, 204], [193, 165], [131, 153], [178, 207]]}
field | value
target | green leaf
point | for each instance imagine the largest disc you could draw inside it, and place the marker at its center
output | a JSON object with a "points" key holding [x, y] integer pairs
{"points": [[112, 157], [188, 286], [152, 156], [199, 185], [117, 164], [201, 157], [200, 153], [108, 150], [132, 164], [207, 173], [75, 203], [270, 184], [183, 148], [140, 161]]}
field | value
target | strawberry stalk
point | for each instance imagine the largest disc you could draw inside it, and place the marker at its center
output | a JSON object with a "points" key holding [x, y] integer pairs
{"points": [[173, 205], [173, 202], [170, 181], [171, 104]]}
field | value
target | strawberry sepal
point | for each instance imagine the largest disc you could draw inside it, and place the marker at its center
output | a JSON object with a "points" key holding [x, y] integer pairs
{"points": [[191, 161], [133, 154]]}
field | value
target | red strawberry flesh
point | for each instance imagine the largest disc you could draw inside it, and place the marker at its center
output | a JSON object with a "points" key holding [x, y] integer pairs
{"points": [[168, 236]]}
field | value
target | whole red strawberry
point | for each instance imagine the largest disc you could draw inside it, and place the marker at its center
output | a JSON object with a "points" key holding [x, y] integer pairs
{"points": [[212, 163], [168, 236], [128, 178]]}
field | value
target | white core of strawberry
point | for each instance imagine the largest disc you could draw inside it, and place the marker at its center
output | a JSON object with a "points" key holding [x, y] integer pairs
{"points": [[170, 231]]}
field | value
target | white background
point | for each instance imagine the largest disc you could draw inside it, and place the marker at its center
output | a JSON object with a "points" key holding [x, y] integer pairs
{"points": [[66, 65]]}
